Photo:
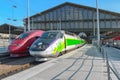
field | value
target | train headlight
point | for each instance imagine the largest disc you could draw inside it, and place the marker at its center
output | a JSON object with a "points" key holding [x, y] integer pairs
{"points": [[115, 43]]}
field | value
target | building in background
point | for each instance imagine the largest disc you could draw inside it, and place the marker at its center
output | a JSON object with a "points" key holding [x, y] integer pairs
{"points": [[75, 18], [14, 30]]}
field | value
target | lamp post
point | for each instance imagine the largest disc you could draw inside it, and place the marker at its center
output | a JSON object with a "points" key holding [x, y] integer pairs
{"points": [[12, 19], [13, 7], [28, 13], [93, 25], [9, 31], [32, 24], [98, 28]]}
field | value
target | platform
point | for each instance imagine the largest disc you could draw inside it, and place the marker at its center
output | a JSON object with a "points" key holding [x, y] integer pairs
{"points": [[85, 63]]}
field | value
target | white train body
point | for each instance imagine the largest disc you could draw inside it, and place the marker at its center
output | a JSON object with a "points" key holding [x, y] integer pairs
{"points": [[53, 43]]}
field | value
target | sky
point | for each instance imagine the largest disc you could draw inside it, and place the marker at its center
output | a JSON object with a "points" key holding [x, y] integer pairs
{"points": [[17, 9]]}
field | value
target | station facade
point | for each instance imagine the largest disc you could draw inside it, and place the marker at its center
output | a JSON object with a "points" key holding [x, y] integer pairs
{"points": [[74, 18]]}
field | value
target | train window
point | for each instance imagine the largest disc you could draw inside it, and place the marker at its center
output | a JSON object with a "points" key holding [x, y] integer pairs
{"points": [[61, 35], [24, 35], [49, 35]]}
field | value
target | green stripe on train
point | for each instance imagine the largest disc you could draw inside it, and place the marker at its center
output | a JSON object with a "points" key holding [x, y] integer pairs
{"points": [[70, 42]]}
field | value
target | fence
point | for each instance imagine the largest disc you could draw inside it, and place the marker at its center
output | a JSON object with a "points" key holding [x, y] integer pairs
{"points": [[109, 67]]}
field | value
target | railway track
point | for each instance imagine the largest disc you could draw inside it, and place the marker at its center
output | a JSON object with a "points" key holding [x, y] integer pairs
{"points": [[9, 59], [10, 66], [3, 57], [6, 59]]}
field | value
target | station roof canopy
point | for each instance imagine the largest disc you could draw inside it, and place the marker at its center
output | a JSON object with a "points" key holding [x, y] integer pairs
{"points": [[75, 5], [4, 28]]}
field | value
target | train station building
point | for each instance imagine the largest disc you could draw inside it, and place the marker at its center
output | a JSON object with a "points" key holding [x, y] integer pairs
{"points": [[75, 18], [8, 30]]}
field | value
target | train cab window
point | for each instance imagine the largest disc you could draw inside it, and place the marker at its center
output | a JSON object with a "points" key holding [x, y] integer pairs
{"points": [[61, 35], [50, 35], [24, 35]]}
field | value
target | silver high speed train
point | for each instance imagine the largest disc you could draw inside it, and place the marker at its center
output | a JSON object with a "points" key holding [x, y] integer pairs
{"points": [[52, 43]]}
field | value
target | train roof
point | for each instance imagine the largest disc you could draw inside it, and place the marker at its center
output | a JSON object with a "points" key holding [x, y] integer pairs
{"points": [[33, 31], [62, 31], [55, 31]]}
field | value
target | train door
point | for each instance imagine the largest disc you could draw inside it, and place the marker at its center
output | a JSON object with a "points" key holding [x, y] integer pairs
{"points": [[60, 44], [63, 38], [64, 42]]}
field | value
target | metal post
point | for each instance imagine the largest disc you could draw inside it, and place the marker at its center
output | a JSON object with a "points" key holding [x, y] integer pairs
{"points": [[60, 23], [93, 25], [51, 26], [103, 53], [28, 13], [108, 67], [3, 41], [14, 6], [9, 30], [98, 28], [9, 34], [25, 26], [32, 23]]}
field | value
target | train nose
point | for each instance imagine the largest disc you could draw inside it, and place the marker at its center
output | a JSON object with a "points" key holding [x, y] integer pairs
{"points": [[40, 53], [13, 47]]}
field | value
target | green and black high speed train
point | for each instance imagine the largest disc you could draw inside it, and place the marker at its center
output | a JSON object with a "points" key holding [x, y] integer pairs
{"points": [[52, 43]]}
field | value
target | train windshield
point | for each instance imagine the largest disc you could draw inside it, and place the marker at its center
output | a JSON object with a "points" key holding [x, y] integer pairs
{"points": [[44, 41], [49, 35], [24, 35]]}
